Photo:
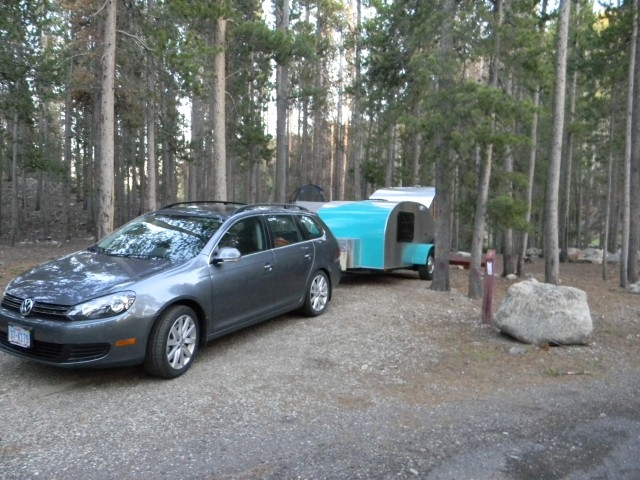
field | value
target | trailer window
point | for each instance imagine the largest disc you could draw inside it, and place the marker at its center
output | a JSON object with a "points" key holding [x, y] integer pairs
{"points": [[406, 225]]}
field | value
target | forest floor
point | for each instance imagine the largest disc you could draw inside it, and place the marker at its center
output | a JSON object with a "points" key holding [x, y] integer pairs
{"points": [[393, 381]]}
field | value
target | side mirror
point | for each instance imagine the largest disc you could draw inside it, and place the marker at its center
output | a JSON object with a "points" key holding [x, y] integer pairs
{"points": [[226, 254]]}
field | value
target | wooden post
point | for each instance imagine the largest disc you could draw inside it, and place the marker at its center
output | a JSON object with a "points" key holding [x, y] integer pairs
{"points": [[487, 297]]}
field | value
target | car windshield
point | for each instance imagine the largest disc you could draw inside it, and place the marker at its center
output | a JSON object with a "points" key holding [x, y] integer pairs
{"points": [[169, 237]]}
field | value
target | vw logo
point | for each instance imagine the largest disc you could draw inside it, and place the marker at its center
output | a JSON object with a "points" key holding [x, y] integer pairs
{"points": [[26, 307]]}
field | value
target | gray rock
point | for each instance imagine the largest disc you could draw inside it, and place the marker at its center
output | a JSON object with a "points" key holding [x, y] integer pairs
{"points": [[541, 313]]}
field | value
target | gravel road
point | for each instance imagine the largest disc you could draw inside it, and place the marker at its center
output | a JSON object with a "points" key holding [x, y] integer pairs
{"points": [[393, 382]]}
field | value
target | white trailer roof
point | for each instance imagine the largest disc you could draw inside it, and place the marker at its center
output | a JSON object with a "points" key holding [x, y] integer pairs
{"points": [[423, 195]]}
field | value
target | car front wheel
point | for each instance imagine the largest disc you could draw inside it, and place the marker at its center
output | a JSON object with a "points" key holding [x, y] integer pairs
{"points": [[318, 294], [173, 343]]}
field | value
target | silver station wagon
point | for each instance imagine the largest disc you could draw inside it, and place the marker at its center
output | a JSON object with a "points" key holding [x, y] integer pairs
{"points": [[161, 286]]}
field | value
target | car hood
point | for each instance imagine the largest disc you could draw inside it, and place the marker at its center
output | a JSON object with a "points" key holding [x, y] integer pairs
{"points": [[83, 275]]}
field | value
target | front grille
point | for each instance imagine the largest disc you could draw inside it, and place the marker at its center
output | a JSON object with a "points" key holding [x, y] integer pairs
{"points": [[49, 310], [58, 353]]}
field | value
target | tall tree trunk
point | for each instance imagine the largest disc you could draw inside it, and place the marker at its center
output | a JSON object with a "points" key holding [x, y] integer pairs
{"points": [[14, 178], [194, 168], [532, 157], [551, 243], [628, 147], [415, 164], [444, 181], [390, 155], [282, 98], [219, 116], [607, 219], [531, 170], [43, 204], [508, 266], [341, 133], [357, 127], [507, 167], [151, 130], [634, 173], [482, 195], [318, 172], [66, 181], [107, 121], [568, 170]]}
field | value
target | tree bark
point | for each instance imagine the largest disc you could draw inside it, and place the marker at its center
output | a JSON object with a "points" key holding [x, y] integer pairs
{"points": [[357, 127], [68, 112], [219, 117], [568, 169], [631, 189], [607, 219], [444, 181], [629, 132], [282, 98], [151, 130], [14, 178], [531, 170], [551, 237], [482, 194], [107, 121]]}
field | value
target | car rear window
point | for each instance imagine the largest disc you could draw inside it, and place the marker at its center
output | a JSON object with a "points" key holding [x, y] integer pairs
{"points": [[311, 226]]}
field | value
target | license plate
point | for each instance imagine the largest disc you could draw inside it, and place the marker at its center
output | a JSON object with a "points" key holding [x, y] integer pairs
{"points": [[20, 336]]}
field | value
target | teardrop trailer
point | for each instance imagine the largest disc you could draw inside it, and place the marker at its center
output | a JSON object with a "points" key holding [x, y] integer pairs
{"points": [[393, 230]]}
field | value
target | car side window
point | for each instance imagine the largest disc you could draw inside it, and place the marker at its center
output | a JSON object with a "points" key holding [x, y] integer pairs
{"points": [[283, 230], [247, 235], [311, 227]]}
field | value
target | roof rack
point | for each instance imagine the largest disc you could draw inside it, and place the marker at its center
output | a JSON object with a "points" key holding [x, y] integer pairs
{"points": [[284, 206], [202, 202]]}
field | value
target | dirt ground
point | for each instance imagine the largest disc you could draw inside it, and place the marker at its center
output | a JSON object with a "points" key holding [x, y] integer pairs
{"points": [[467, 350], [394, 381]]}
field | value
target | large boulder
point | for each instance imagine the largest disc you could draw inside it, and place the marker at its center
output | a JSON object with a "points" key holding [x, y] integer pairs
{"points": [[574, 254], [591, 255], [541, 313]]}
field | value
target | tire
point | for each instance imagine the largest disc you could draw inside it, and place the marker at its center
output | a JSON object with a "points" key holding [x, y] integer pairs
{"points": [[173, 343], [425, 272], [318, 294]]}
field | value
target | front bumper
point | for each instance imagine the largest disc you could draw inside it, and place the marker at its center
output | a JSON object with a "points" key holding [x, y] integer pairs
{"points": [[90, 343]]}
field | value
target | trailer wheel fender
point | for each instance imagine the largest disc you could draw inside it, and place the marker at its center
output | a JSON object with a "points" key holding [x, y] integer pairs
{"points": [[425, 272]]}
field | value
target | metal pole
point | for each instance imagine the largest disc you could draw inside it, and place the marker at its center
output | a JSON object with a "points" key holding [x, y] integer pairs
{"points": [[488, 284]]}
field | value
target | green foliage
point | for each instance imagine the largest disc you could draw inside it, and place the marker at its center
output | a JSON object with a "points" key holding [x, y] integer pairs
{"points": [[404, 100], [251, 144], [373, 173], [505, 211]]}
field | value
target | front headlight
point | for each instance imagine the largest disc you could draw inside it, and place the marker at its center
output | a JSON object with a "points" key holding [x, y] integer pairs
{"points": [[103, 307]]}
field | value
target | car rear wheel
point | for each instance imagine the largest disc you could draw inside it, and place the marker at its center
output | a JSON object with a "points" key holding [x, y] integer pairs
{"points": [[425, 272], [318, 294], [173, 343]]}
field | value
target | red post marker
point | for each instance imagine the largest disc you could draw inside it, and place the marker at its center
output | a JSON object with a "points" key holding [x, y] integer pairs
{"points": [[487, 297]]}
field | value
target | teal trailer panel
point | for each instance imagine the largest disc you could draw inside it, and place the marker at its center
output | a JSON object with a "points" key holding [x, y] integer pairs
{"points": [[381, 235], [415, 253], [365, 221]]}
